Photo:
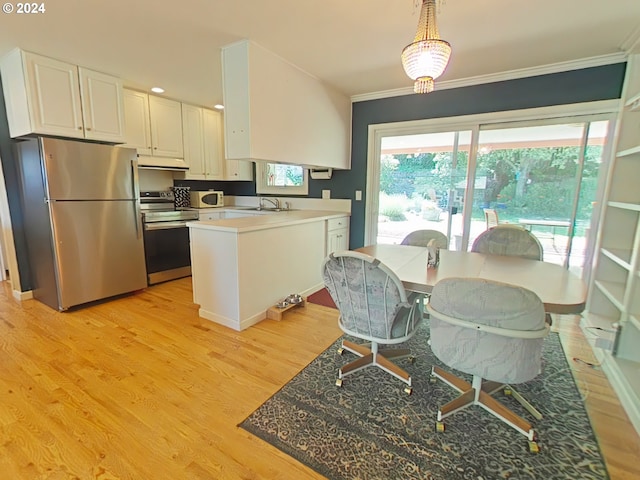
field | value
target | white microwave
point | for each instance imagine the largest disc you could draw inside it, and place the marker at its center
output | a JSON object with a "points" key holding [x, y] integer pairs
{"points": [[207, 199]]}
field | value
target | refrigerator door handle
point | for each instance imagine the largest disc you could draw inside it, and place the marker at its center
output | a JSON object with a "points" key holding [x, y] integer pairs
{"points": [[136, 195]]}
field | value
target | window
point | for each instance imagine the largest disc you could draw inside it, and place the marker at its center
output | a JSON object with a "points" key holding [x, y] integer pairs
{"points": [[281, 179]]}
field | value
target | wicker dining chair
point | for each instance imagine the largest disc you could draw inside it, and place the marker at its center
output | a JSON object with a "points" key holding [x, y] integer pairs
{"points": [[494, 332], [374, 307]]}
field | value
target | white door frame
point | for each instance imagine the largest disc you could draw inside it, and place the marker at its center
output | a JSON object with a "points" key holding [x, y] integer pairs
{"points": [[466, 122], [9, 262]]}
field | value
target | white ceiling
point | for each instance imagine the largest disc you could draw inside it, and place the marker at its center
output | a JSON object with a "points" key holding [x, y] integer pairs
{"points": [[354, 45]]}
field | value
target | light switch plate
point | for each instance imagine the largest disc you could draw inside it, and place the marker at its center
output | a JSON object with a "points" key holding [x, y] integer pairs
{"points": [[358, 195], [326, 194]]}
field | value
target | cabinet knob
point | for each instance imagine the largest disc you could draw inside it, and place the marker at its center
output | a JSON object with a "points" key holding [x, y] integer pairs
{"points": [[79, 128], [88, 129], [155, 148]]}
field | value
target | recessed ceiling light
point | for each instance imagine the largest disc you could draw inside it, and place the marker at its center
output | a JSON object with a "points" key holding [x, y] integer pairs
{"points": [[219, 107], [157, 90]]}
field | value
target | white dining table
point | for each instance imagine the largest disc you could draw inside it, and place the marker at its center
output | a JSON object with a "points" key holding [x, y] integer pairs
{"points": [[560, 290]]}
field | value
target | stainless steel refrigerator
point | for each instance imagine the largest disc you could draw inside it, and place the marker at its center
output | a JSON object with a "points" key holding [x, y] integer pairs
{"points": [[82, 220]]}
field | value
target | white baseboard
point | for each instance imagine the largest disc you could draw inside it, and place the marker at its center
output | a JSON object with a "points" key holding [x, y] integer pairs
{"points": [[20, 296], [628, 396]]}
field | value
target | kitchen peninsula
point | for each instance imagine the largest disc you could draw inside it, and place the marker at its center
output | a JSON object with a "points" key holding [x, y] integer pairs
{"points": [[242, 266]]}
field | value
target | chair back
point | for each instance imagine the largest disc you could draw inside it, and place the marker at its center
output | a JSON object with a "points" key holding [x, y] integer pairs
{"points": [[421, 238], [372, 301], [510, 240], [486, 328], [491, 217]]}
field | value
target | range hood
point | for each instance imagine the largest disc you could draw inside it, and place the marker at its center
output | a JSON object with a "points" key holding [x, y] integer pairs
{"points": [[162, 163]]}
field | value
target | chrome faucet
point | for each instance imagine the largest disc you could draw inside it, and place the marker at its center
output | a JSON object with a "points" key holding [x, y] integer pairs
{"points": [[274, 201]]}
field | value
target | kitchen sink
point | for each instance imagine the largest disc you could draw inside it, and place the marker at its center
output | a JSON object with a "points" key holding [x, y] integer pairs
{"points": [[271, 209]]}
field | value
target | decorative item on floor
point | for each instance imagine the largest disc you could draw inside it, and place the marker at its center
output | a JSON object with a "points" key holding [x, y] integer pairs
{"points": [[322, 297], [182, 197], [425, 59], [342, 433], [291, 301]]}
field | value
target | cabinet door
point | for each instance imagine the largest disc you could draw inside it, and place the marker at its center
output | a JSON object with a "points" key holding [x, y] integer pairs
{"points": [[54, 96], [102, 106], [136, 115], [337, 240], [238, 170], [212, 140], [166, 127], [192, 132]]}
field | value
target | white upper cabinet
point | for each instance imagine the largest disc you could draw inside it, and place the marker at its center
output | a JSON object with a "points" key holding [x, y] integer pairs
{"points": [[166, 127], [50, 97], [102, 106], [275, 112], [136, 114], [202, 143], [154, 129], [238, 170], [213, 150]]}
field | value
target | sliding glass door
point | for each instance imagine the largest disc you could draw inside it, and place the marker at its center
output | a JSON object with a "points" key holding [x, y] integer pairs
{"points": [[422, 180], [543, 178], [543, 175]]}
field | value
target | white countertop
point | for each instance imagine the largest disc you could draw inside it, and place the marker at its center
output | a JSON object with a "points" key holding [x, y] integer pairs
{"points": [[262, 220]]}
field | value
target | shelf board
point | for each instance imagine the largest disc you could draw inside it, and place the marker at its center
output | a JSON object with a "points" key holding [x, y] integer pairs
{"points": [[628, 151], [619, 256], [625, 206], [613, 291]]}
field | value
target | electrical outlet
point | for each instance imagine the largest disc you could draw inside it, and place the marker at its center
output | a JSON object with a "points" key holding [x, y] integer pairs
{"points": [[326, 194], [358, 195]]}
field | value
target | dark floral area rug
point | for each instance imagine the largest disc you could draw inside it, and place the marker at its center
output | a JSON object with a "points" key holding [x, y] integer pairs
{"points": [[370, 429]]}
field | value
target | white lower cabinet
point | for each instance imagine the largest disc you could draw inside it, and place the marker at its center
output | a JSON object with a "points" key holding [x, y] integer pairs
{"points": [[337, 234]]}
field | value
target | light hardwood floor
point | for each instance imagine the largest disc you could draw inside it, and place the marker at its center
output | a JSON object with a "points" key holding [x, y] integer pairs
{"points": [[142, 388]]}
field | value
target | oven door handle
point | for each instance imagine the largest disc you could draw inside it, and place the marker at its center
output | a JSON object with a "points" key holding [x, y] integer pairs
{"points": [[164, 225]]}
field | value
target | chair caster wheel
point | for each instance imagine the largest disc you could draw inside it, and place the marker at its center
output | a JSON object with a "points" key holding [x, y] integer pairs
{"points": [[507, 391], [433, 379], [439, 427], [534, 447], [411, 360], [408, 390], [339, 382], [340, 351]]}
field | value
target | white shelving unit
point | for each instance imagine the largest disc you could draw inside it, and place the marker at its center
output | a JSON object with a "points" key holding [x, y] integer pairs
{"points": [[614, 294]]}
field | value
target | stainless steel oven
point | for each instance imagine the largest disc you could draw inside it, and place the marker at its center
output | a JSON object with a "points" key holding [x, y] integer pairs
{"points": [[166, 237]]}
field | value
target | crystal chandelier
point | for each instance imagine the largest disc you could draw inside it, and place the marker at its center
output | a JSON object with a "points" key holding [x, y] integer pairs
{"points": [[425, 59]]}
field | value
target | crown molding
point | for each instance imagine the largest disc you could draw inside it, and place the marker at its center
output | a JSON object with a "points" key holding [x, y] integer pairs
{"points": [[512, 74]]}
